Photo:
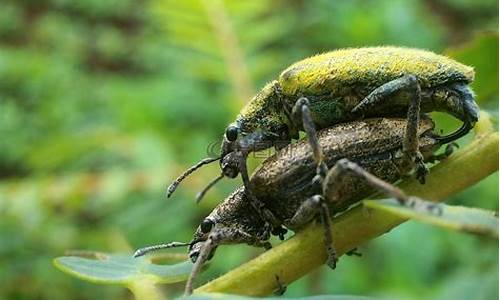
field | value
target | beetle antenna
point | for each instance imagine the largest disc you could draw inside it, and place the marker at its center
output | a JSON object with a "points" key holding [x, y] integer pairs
{"points": [[173, 186], [201, 194], [143, 251]]}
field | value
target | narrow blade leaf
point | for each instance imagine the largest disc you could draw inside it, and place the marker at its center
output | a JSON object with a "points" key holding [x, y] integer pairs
{"points": [[459, 218]]}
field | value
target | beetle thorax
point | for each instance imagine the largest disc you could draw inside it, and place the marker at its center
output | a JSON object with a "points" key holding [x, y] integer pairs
{"points": [[264, 112]]}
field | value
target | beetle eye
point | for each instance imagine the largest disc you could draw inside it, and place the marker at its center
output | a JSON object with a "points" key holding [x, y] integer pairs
{"points": [[206, 225], [231, 133]]}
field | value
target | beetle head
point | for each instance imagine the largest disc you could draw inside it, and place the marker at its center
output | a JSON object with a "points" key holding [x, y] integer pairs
{"points": [[233, 221], [229, 159], [200, 236], [230, 165]]}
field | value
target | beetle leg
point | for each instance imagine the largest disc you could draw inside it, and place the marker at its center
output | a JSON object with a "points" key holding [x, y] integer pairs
{"points": [[354, 252], [344, 165], [262, 244], [209, 245], [316, 204], [214, 239], [266, 214], [306, 212], [410, 142], [447, 152], [260, 241], [388, 89], [302, 108], [280, 287]]}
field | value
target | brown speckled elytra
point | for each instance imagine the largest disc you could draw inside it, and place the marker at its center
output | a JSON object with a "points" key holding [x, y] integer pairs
{"points": [[357, 159]]}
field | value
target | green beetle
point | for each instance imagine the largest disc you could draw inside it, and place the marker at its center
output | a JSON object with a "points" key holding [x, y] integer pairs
{"points": [[340, 86]]}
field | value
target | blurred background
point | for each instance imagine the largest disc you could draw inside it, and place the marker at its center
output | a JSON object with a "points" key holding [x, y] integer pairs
{"points": [[103, 103]]}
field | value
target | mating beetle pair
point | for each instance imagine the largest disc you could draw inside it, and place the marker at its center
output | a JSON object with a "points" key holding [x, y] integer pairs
{"points": [[295, 191], [324, 90], [340, 86]]}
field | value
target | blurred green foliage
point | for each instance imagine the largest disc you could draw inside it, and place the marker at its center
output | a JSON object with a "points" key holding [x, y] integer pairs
{"points": [[102, 103], [122, 269]]}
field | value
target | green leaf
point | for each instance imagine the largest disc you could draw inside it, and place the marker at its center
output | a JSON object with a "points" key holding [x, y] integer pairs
{"points": [[460, 218], [482, 54], [214, 296], [122, 269]]}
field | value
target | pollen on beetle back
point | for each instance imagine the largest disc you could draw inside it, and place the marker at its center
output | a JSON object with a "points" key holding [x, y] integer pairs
{"points": [[370, 66]]}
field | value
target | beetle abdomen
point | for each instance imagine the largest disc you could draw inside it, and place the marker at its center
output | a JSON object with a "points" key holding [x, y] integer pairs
{"points": [[336, 72]]}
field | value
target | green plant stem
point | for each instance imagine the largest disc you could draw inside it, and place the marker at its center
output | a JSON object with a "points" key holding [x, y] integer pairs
{"points": [[145, 290], [304, 252]]}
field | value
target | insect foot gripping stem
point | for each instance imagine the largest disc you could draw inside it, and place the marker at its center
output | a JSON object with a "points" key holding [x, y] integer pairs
{"points": [[449, 149], [200, 251], [280, 287], [410, 142], [315, 204], [354, 252], [307, 211]]}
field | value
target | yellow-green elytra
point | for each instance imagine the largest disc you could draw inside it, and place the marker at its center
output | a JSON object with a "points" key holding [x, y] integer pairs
{"points": [[335, 82], [336, 71]]}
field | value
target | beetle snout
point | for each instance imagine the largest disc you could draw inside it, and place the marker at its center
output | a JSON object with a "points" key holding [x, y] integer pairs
{"points": [[229, 165], [194, 251], [193, 256], [230, 171]]}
